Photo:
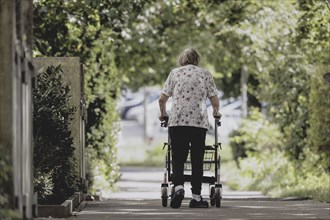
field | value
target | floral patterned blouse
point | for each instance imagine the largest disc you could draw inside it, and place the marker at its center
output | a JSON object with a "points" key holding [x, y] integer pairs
{"points": [[189, 86]]}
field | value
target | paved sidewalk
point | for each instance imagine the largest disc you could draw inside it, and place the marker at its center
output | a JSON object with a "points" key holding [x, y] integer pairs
{"points": [[138, 197], [231, 210], [143, 183]]}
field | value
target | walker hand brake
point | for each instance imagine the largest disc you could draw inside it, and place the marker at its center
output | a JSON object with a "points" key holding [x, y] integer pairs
{"points": [[165, 144]]}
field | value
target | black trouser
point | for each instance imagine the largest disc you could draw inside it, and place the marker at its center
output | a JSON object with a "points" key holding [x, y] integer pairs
{"points": [[184, 138]]}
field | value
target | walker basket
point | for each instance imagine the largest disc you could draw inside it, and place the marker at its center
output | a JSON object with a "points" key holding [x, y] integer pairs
{"points": [[208, 160]]}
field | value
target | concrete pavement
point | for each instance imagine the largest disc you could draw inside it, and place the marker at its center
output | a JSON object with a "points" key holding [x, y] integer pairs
{"points": [[143, 183], [138, 197], [231, 210]]}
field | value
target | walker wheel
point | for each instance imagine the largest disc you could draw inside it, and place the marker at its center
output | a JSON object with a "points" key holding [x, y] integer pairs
{"points": [[218, 197], [212, 195], [164, 196]]}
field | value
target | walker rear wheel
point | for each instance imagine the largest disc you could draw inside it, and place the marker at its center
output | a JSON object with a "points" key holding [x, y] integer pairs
{"points": [[212, 195], [218, 197], [164, 196]]}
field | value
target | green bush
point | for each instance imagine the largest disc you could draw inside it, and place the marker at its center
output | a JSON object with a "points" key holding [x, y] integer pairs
{"points": [[102, 91], [267, 166], [9, 214], [53, 159], [256, 134], [319, 120], [275, 175], [5, 170]]}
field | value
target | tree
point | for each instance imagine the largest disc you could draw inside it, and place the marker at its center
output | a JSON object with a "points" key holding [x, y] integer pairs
{"points": [[313, 37], [274, 44], [87, 29]]}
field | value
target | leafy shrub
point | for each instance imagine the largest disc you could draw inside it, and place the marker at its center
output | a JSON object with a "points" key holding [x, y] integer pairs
{"points": [[9, 214], [5, 169], [274, 174], [102, 90], [155, 156], [267, 166], [319, 120], [256, 134], [53, 159]]}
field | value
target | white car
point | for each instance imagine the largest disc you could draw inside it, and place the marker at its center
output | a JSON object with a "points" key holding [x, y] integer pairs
{"points": [[231, 116], [152, 111]]}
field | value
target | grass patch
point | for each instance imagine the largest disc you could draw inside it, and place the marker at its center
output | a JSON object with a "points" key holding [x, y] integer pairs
{"points": [[155, 156], [152, 157], [276, 176], [231, 175], [322, 194]]}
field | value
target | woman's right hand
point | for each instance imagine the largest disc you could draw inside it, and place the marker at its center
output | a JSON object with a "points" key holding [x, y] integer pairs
{"points": [[217, 115], [163, 117]]}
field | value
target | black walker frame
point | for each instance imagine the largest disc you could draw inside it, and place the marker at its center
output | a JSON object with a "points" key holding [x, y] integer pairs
{"points": [[211, 157]]}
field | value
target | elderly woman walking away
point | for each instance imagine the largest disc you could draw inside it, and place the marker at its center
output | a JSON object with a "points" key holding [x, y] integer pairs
{"points": [[189, 86]]}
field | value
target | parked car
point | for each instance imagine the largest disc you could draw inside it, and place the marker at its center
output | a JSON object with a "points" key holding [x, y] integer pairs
{"points": [[231, 116], [137, 113], [133, 109], [132, 100]]}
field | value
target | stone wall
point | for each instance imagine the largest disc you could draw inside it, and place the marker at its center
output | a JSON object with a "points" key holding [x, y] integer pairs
{"points": [[74, 76]]}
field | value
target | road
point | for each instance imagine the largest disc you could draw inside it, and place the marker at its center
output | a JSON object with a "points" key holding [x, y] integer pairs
{"points": [[138, 197]]}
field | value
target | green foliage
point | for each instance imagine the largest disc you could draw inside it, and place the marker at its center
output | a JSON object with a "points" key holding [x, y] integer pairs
{"points": [[255, 136], [319, 120], [53, 159], [267, 167], [287, 95], [262, 38], [90, 30], [278, 44], [155, 156], [102, 91], [5, 170], [313, 30], [276, 175], [8, 214]]}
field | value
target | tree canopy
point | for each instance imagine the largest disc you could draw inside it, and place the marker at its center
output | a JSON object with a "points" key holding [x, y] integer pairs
{"points": [[282, 46]]}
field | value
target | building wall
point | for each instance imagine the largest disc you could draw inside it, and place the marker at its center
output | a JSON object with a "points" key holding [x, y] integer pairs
{"points": [[16, 73], [7, 57]]}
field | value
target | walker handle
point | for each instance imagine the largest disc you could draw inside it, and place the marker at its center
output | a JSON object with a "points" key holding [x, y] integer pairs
{"points": [[217, 123], [164, 122], [217, 120]]}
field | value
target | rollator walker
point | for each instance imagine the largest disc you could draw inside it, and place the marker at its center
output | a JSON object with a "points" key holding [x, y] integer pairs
{"points": [[211, 157]]}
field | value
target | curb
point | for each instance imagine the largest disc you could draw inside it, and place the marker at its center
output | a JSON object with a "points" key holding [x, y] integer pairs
{"points": [[63, 210]]}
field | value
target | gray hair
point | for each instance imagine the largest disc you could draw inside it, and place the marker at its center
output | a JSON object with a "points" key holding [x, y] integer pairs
{"points": [[188, 56]]}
